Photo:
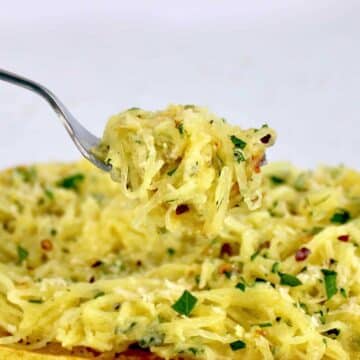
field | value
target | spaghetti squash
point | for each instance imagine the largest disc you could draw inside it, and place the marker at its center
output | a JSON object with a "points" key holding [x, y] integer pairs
{"points": [[235, 266]]}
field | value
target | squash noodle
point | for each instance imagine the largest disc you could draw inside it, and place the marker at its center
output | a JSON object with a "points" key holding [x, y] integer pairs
{"points": [[185, 155], [277, 282]]}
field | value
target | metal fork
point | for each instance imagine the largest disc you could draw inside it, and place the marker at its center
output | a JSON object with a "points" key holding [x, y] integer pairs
{"points": [[82, 138]]}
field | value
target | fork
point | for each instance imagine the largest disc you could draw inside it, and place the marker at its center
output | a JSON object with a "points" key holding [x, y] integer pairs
{"points": [[84, 140]]}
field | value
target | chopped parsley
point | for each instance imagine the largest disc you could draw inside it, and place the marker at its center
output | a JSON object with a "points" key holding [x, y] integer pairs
{"points": [[49, 194], [238, 143], [288, 279], [239, 156], [171, 251], [35, 301], [180, 127], [275, 267], [237, 345], [343, 293], [277, 180], [342, 216], [264, 325], [28, 174], [254, 255], [185, 304], [304, 307], [71, 182], [53, 232], [241, 286], [238, 146], [22, 254], [330, 282], [154, 338], [194, 350], [322, 317], [316, 229], [171, 172], [99, 294]]}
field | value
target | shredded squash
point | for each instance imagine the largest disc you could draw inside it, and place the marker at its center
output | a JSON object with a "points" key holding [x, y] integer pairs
{"points": [[185, 155], [276, 278]]}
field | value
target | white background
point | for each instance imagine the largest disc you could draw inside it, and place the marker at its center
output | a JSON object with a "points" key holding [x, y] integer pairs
{"points": [[292, 64]]}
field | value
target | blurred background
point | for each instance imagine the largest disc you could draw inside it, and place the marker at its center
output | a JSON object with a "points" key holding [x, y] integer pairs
{"points": [[289, 63]]}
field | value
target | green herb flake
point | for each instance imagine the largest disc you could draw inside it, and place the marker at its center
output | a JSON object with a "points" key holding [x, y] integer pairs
{"points": [[53, 232], [238, 143], [28, 174], [239, 156], [71, 182], [153, 338], [322, 317], [133, 109], [197, 279], [171, 172], [330, 282], [264, 325], [22, 254], [185, 304], [99, 294], [194, 350], [343, 293], [288, 279], [304, 307], [171, 251], [277, 180], [254, 255], [49, 194], [237, 345], [180, 127], [316, 230], [342, 216], [35, 301], [275, 267], [241, 286]]}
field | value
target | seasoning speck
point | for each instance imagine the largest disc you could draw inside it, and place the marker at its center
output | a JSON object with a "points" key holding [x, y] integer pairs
{"points": [[181, 209], [265, 139], [46, 245], [343, 238], [302, 254]]}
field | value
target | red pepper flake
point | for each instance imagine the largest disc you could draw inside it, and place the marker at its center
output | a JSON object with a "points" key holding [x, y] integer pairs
{"points": [[302, 254], [261, 332], [182, 208], [344, 238], [46, 245], [258, 161], [226, 249], [225, 268], [265, 139]]}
